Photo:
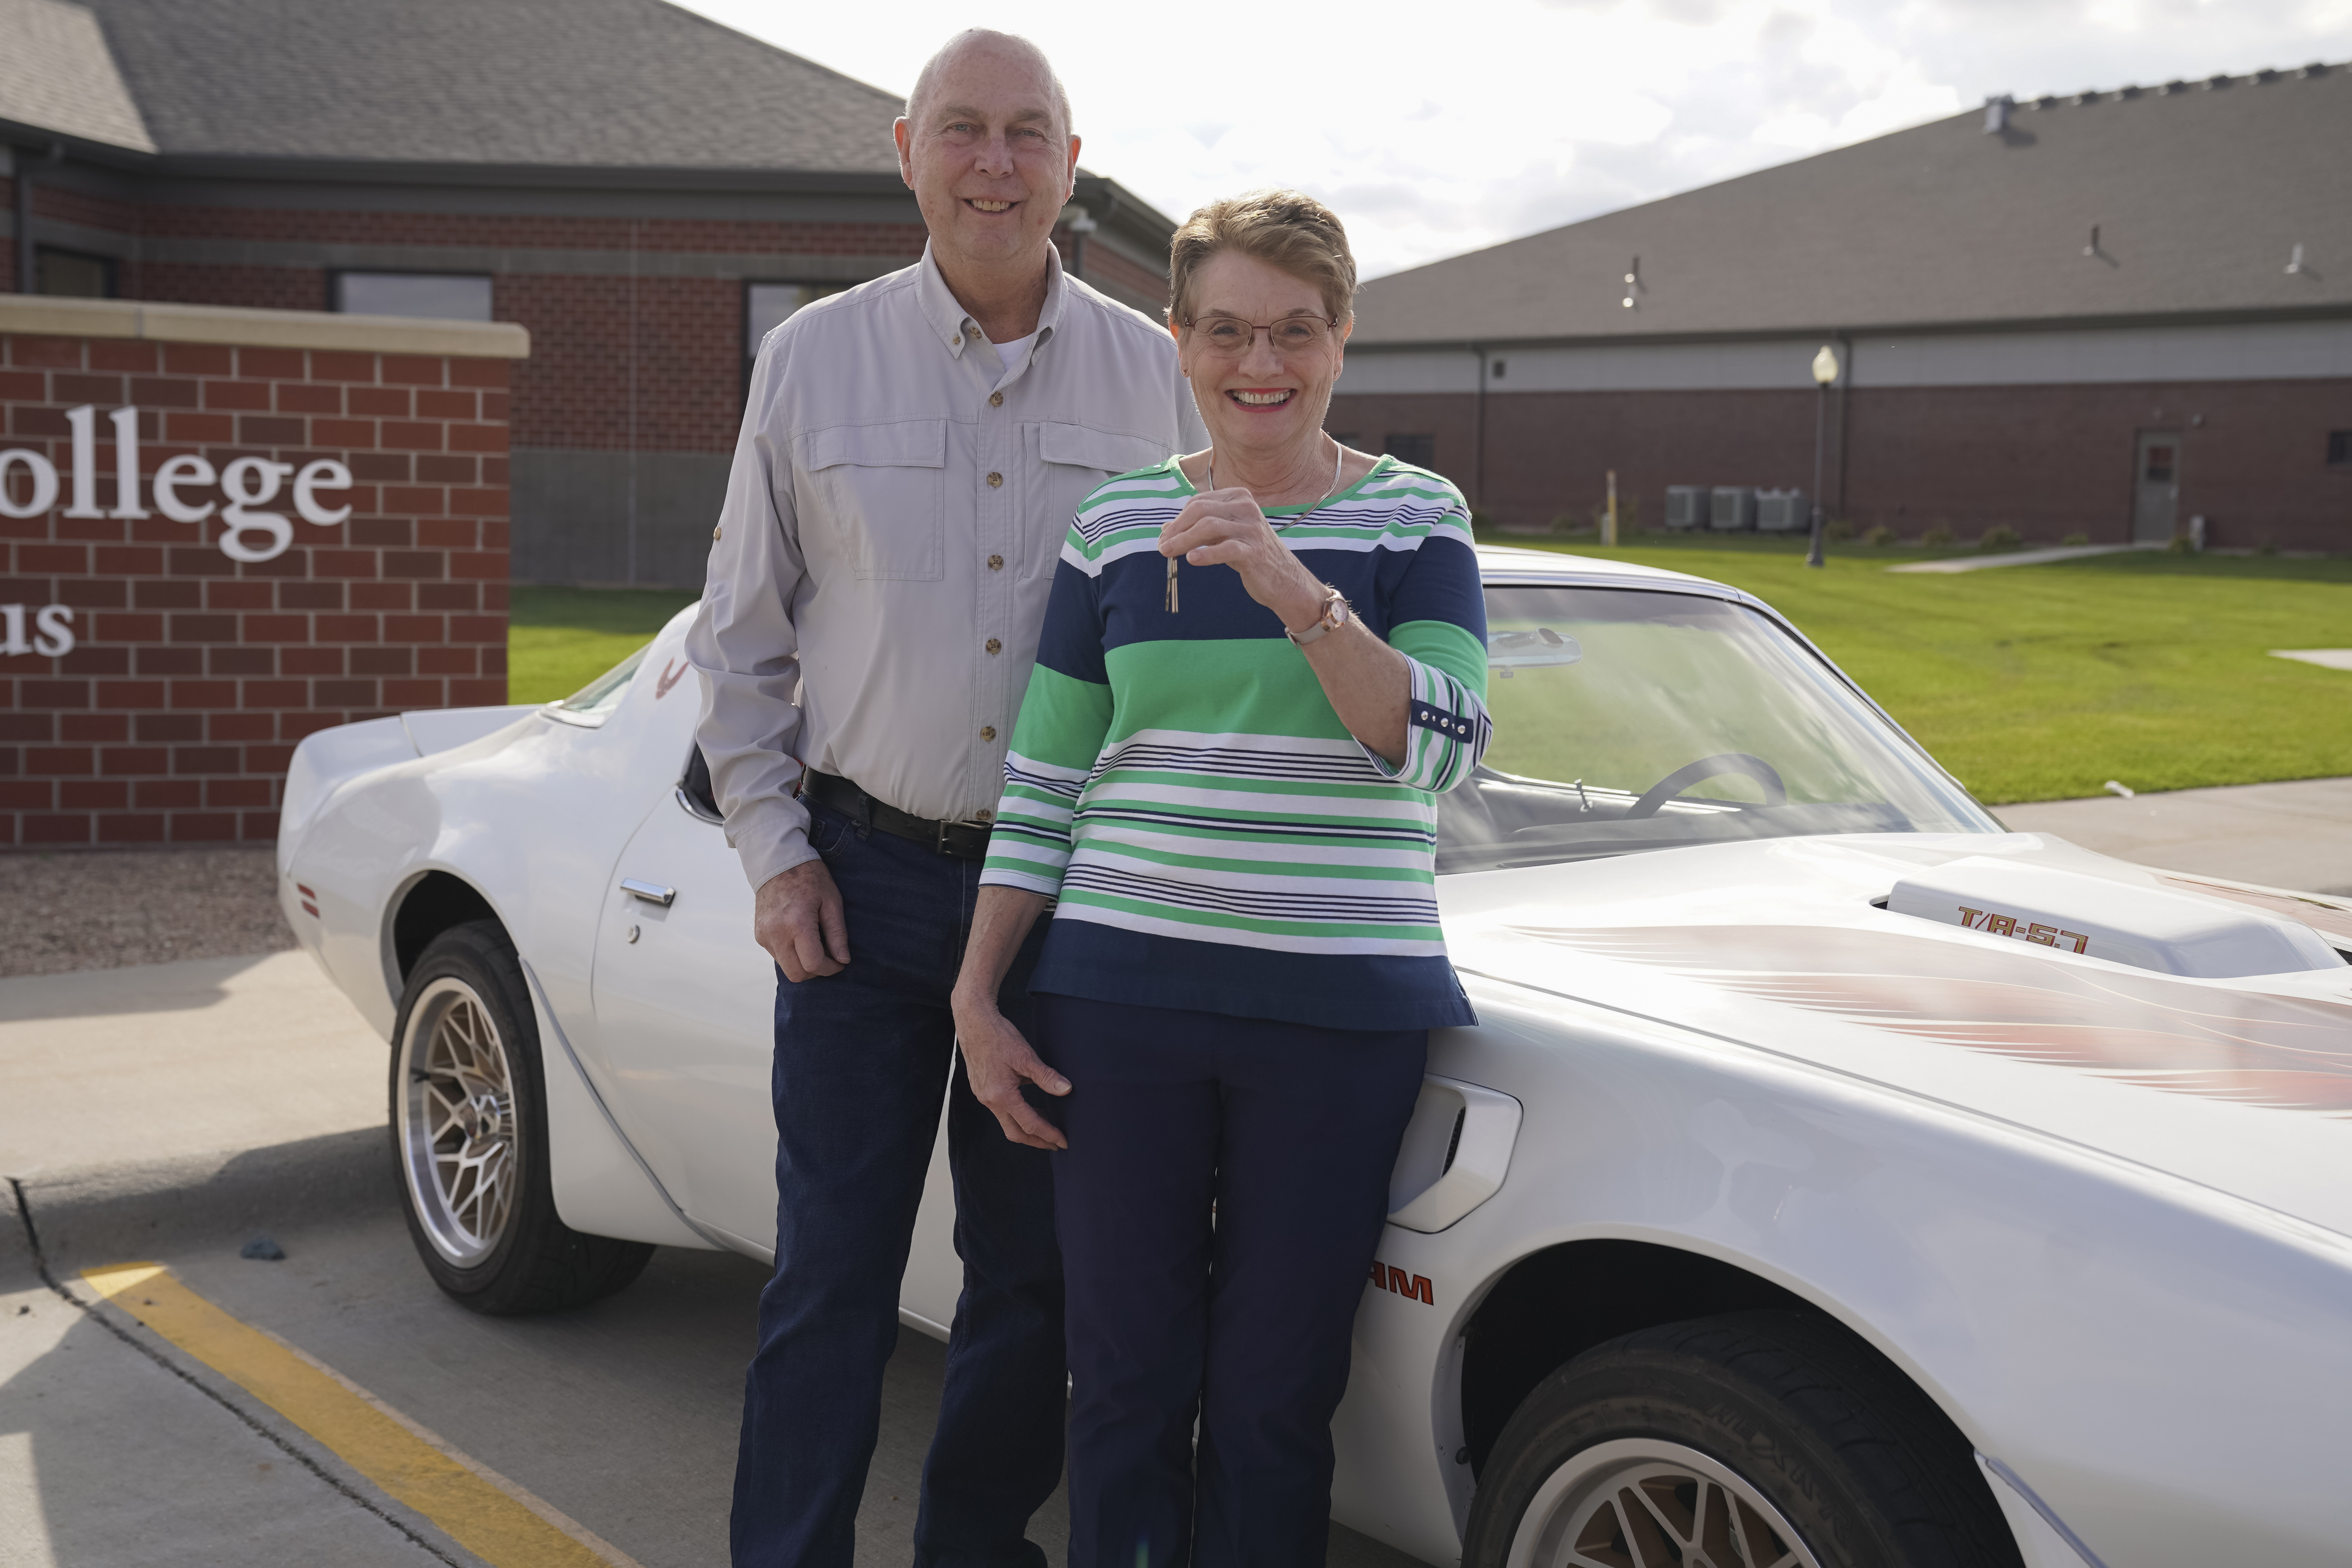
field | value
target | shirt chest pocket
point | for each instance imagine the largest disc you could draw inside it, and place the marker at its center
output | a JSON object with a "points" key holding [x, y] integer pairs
{"points": [[1076, 459], [883, 491]]}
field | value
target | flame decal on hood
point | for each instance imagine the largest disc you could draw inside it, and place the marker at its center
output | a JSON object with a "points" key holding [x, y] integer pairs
{"points": [[2281, 1052]]}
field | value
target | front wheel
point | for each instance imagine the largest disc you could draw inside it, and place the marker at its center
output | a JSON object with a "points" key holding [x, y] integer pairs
{"points": [[469, 1138], [1752, 1440]]}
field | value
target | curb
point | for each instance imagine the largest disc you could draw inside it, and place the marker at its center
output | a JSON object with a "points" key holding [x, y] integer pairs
{"points": [[106, 1215]]}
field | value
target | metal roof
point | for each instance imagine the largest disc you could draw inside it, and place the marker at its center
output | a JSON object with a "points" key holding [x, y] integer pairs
{"points": [[2199, 194]]}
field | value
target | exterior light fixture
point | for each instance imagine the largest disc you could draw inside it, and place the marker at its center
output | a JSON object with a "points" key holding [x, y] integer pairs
{"points": [[1633, 284], [2295, 262], [1825, 372], [1080, 223]]}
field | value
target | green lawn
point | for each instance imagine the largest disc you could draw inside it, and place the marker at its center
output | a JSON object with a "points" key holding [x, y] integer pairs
{"points": [[2044, 682], [2028, 682], [559, 640]]}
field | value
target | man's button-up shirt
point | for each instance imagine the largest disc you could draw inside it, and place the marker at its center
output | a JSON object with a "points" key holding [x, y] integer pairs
{"points": [[896, 506]]}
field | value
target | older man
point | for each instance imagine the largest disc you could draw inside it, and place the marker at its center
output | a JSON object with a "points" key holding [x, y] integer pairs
{"points": [[911, 454]]}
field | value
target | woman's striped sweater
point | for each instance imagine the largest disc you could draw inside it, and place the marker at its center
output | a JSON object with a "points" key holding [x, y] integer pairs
{"points": [[1216, 838]]}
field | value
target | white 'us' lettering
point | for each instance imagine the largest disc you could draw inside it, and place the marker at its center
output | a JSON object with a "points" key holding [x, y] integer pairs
{"points": [[249, 484], [52, 626]]}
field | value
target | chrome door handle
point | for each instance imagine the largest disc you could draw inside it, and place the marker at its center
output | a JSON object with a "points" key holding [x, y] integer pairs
{"points": [[651, 892]]}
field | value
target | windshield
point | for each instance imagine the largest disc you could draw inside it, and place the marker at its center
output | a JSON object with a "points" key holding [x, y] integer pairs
{"points": [[595, 703], [1628, 718]]}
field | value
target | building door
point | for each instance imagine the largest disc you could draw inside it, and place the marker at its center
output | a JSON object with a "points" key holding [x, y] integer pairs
{"points": [[2156, 488]]}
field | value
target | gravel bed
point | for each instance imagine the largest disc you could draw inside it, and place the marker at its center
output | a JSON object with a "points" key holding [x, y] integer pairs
{"points": [[105, 909]]}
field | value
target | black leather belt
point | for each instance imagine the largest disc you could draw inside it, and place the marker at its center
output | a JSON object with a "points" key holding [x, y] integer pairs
{"points": [[964, 840]]}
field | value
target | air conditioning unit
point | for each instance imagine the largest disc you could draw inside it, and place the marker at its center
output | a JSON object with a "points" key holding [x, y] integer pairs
{"points": [[1734, 509], [1686, 506], [1781, 511]]}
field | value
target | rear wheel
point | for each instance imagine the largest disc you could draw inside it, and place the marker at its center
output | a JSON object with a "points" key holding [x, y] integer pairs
{"points": [[1752, 1440], [469, 1138]]}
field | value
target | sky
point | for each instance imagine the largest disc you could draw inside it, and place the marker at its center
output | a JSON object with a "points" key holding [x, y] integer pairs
{"points": [[1434, 128]]}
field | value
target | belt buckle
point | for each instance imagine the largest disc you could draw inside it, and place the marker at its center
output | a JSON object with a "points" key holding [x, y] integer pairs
{"points": [[940, 836]]}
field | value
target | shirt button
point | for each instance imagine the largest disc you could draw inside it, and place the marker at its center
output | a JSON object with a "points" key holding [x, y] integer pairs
{"points": [[994, 480], [988, 732], [996, 564], [996, 400], [994, 647], [986, 815]]}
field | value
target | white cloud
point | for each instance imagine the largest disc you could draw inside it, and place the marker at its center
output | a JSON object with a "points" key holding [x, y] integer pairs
{"points": [[1435, 130]]}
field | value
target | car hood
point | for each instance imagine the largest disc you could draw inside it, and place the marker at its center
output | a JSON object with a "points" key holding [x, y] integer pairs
{"points": [[2242, 1084]]}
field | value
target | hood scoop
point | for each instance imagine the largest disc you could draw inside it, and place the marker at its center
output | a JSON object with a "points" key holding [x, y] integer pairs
{"points": [[2143, 925]]}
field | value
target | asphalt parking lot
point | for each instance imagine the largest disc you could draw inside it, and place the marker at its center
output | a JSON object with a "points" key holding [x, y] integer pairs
{"points": [[329, 1407]]}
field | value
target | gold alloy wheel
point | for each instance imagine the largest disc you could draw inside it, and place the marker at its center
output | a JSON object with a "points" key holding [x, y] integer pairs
{"points": [[457, 1122], [1645, 1502]]}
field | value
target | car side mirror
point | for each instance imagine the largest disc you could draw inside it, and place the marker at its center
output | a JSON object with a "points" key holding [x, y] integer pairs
{"points": [[1510, 651]]}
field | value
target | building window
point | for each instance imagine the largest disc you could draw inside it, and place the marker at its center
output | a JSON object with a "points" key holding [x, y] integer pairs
{"points": [[1421, 451], [69, 274], [2339, 448], [765, 308], [438, 296]]}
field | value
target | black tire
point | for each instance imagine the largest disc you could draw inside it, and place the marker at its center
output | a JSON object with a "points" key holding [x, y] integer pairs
{"points": [[467, 1044], [1860, 1469]]}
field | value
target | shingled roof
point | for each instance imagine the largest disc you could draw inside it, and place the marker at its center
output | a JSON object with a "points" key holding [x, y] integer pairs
{"points": [[2198, 195], [609, 84]]}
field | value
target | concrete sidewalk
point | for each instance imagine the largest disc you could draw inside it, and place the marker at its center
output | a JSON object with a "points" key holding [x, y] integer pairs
{"points": [[2018, 558], [2294, 836], [169, 1064], [172, 1112]]}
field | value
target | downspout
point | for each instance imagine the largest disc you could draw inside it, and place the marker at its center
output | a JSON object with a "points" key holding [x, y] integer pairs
{"points": [[23, 174], [1845, 403], [1478, 433]]}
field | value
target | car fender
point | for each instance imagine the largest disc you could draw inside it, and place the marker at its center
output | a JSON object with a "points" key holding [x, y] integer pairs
{"points": [[2081, 1319], [603, 1186]]}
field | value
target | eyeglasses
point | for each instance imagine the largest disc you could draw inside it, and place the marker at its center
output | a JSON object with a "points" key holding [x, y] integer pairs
{"points": [[1231, 337]]}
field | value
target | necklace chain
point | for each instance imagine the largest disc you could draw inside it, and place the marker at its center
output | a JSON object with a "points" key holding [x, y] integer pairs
{"points": [[1338, 464]]}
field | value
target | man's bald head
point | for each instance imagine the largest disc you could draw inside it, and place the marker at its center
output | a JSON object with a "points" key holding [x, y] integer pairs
{"points": [[990, 41]]}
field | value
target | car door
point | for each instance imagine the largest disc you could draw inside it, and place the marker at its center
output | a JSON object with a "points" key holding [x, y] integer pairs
{"points": [[685, 1008]]}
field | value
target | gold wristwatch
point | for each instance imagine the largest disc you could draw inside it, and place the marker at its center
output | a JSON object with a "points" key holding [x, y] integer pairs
{"points": [[1334, 616]]}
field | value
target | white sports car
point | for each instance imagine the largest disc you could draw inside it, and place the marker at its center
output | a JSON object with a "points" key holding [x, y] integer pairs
{"points": [[1833, 1178]]}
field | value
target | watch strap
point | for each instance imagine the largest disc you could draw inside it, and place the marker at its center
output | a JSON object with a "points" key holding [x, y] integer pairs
{"points": [[1334, 616]]}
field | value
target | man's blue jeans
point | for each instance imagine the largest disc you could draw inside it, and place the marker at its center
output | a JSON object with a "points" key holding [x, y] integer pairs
{"points": [[862, 1064]]}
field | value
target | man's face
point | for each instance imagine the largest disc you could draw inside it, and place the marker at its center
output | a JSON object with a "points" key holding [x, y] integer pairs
{"points": [[989, 163]]}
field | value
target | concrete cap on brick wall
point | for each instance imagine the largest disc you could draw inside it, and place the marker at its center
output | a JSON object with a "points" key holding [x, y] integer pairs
{"points": [[40, 315]]}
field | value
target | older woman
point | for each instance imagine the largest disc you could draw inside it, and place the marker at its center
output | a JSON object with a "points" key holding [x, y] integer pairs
{"points": [[1260, 664]]}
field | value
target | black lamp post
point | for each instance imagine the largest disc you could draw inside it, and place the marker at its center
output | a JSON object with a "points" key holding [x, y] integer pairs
{"points": [[1825, 372]]}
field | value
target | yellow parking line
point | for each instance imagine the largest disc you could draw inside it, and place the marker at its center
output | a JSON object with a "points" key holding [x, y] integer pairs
{"points": [[489, 1515]]}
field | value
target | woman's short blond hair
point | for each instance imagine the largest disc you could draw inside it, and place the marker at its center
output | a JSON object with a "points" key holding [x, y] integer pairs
{"points": [[1284, 229]]}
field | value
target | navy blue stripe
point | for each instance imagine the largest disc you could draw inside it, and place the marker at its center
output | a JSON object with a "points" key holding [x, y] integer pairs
{"points": [[1440, 583], [1336, 991], [1071, 641], [1381, 586]]}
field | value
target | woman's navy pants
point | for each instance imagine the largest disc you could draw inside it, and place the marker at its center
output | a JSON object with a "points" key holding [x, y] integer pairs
{"points": [[1218, 1207]]}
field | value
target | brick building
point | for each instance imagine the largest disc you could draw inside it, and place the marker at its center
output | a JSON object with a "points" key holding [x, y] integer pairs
{"points": [[222, 530], [2113, 313], [644, 190]]}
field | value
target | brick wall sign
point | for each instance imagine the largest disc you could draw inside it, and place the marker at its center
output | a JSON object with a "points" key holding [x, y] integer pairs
{"points": [[221, 530]]}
